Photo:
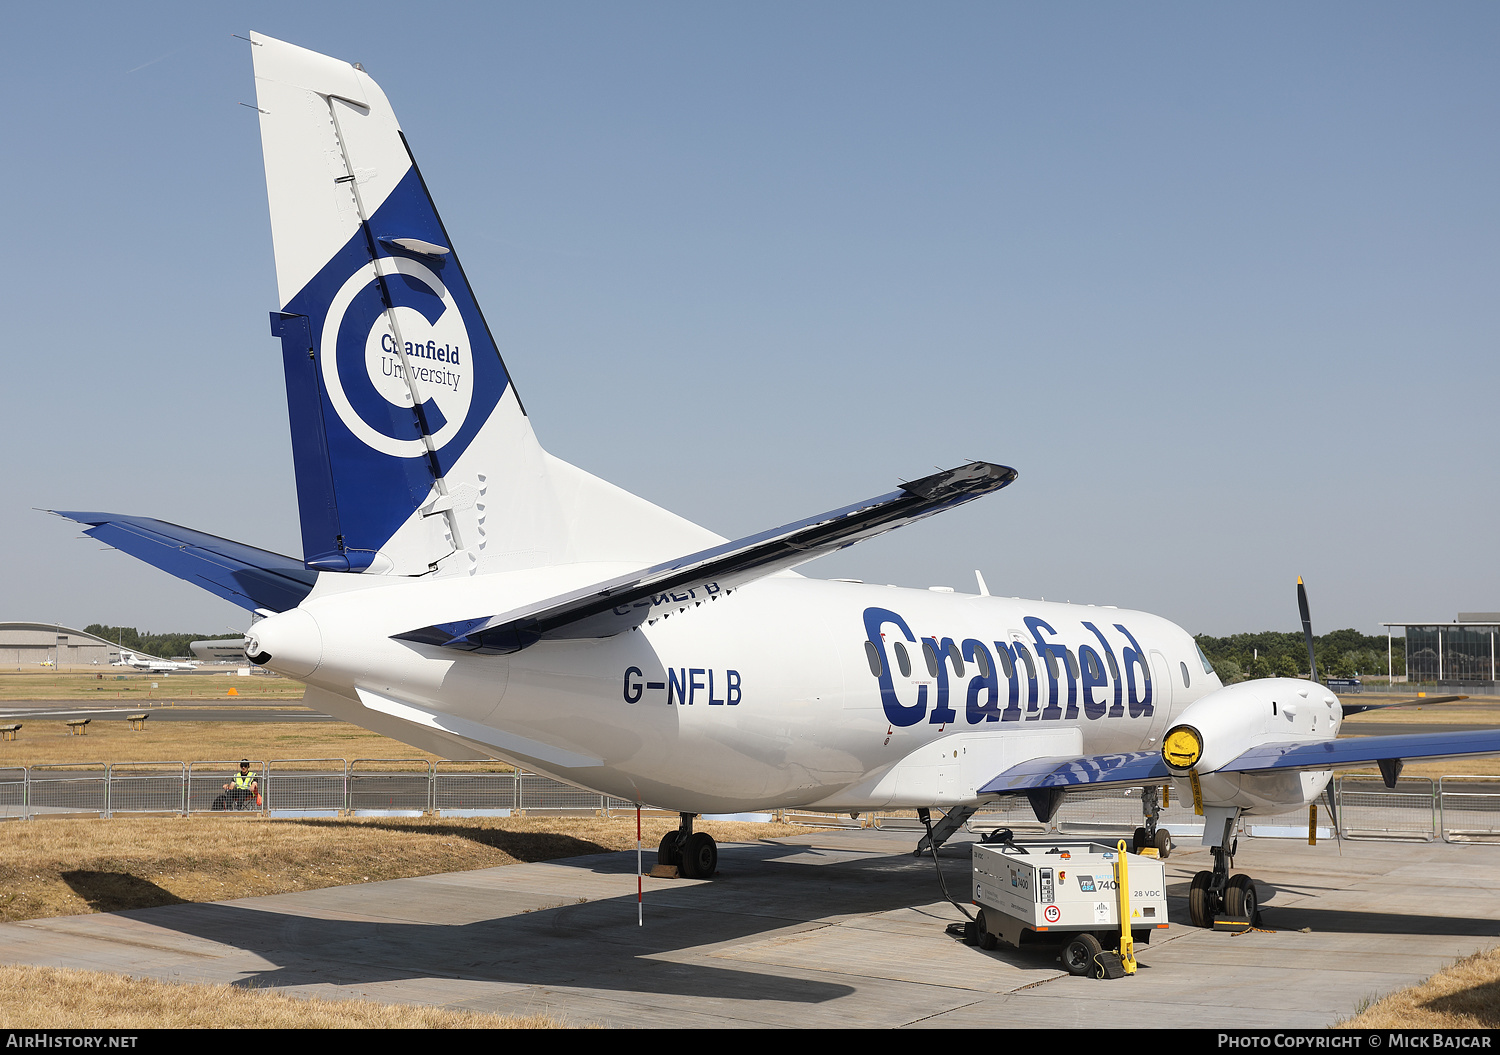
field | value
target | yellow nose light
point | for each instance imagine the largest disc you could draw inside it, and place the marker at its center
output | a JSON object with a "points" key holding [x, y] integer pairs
{"points": [[1182, 747]]}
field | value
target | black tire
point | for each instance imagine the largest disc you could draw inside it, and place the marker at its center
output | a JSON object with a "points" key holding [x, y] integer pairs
{"points": [[700, 856], [987, 941], [1079, 955], [220, 803], [1240, 898], [1163, 843], [1139, 841], [667, 853], [1200, 900]]}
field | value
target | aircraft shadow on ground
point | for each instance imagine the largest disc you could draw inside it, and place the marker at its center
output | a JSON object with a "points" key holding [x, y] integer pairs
{"points": [[112, 891], [760, 889]]}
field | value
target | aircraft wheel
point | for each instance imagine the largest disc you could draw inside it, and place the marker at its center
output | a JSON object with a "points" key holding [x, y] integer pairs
{"points": [[1200, 900], [987, 941], [667, 853], [1163, 843], [1240, 898], [1079, 954], [700, 856], [1139, 841]]}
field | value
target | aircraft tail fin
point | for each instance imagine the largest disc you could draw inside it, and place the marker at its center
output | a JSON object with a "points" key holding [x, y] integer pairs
{"points": [[413, 453]]}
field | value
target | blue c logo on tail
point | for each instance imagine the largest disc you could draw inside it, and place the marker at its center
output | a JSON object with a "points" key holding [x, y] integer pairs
{"points": [[371, 368]]}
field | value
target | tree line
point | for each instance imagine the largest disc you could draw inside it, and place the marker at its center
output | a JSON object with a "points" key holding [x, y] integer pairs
{"points": [[1271, 653], [164, 646]]}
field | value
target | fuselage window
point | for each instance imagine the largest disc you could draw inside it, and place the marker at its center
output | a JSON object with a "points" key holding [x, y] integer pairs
{"points": [[982, 663], [930, 654], [1006, 664], [1072, 663], [1091, 661], [872, 653], [1026, 659], [958, 659], [1185, 681], [1114, 668], [903, 661], [1051, 663]]}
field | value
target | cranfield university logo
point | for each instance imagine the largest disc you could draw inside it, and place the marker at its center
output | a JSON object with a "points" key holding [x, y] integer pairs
{"points": [[371, 369]]}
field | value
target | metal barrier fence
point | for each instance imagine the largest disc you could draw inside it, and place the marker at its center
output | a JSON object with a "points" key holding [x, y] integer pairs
{"points": [[291, 787], [1455, 808], [1469, 808], [307, 786], [12, 792], [1370, 810]]}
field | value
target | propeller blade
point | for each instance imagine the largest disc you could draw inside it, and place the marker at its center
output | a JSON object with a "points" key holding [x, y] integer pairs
{"points": [[1312, 662], [1360, 708]]}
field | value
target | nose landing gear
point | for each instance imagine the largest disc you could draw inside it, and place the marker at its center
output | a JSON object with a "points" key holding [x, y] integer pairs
{"points": [[1218, 898]]}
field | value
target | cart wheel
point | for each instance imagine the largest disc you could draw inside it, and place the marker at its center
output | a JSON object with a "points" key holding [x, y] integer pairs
{"points": [[1079, 954], [1240, 898], [987, 941], [1200, 900], [1139, 840], [1163, 843]]}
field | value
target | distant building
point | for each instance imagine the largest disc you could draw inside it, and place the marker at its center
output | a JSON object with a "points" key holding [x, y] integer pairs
{"points": [[1461, 652], [224, 650], [34, 644]]}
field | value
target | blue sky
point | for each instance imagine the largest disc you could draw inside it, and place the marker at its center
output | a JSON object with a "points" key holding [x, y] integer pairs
{"points": [[1219, 281]]}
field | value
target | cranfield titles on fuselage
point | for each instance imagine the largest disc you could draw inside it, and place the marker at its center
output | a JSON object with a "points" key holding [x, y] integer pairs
{"points": [[1090, 673]]}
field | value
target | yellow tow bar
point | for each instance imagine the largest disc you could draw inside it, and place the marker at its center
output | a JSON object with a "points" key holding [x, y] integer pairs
{"points": [[1122, 886]]}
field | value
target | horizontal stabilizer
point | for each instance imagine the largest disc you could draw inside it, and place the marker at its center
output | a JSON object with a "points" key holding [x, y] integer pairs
{"points": [[243, 575], [607, 608]]}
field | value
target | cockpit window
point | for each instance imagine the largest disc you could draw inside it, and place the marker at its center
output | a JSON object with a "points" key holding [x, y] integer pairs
{"points": [[1208, 668]]}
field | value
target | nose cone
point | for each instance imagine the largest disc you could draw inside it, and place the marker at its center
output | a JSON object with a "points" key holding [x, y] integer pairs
{"points": [[289, 643]]}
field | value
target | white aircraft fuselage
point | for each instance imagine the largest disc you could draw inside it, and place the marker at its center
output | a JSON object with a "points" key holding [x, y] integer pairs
{"points": [[762, 698]]}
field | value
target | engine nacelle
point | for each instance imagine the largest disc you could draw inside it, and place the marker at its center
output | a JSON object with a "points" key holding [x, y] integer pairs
{"points": [[1226, 723]]}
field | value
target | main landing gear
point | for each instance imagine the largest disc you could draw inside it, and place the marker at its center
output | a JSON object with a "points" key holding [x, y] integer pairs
{"points": [[695, 854], [1218, 896], [1149, 834]]}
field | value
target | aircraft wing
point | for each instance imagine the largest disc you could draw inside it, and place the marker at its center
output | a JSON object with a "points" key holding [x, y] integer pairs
{"points": [[1146, 767], [249, 577], [610, 607]]}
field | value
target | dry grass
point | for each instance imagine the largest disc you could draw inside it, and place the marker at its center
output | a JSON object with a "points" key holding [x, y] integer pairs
{"points": [[1464, 996], [1479, 710], [54, 867], [107, 684], [47, 742], [48, 998]]}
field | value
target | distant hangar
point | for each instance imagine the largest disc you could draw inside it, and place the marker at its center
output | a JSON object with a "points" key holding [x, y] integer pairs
{"points": [[35, 644]]}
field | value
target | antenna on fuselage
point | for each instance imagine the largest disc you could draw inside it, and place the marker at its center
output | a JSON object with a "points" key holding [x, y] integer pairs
{"points": [[984, 591]]}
